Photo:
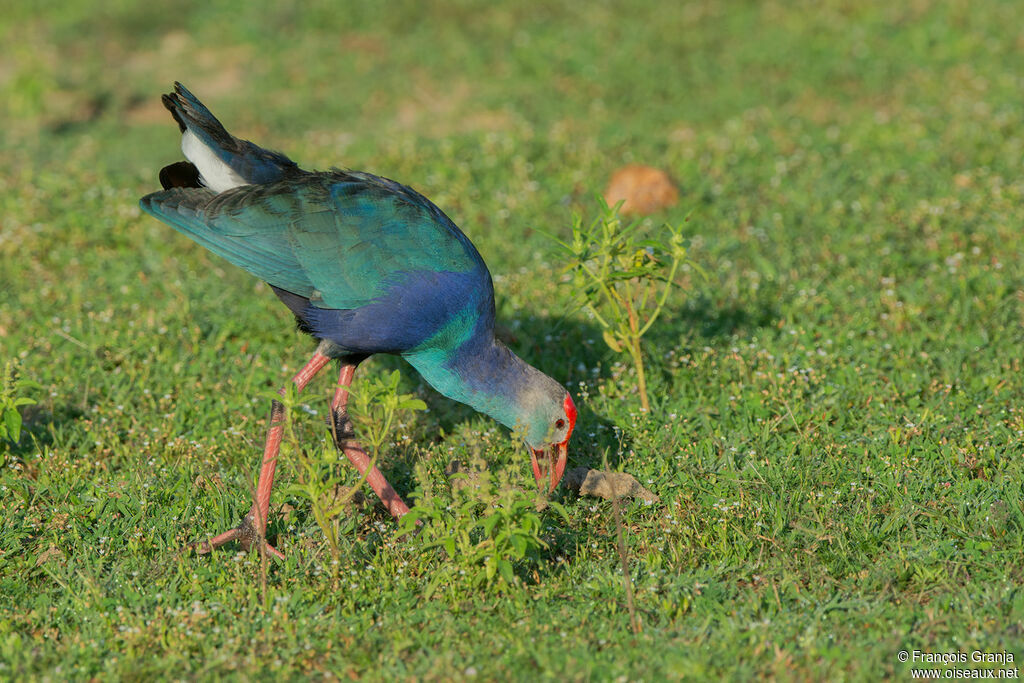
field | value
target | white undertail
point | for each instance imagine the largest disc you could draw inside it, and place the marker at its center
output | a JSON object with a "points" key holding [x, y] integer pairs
{"points": [[213, 172]]}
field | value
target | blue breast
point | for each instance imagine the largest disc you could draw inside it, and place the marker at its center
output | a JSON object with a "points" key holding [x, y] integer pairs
{"points": [[412, 310]]}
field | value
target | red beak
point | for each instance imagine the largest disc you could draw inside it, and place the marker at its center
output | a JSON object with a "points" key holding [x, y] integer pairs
{"points": [[553, 467]]}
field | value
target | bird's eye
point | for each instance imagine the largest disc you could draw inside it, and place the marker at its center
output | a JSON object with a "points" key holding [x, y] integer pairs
{"points": [[559, 423]]}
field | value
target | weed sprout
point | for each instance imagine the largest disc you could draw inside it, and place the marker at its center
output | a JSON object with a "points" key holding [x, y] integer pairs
{"points": [[622, 280]]}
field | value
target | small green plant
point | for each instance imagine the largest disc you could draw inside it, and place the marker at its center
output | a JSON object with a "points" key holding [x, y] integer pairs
{"points": [[623, 280], [319, 481], [489, 529], [11, 387], [375, 406]]}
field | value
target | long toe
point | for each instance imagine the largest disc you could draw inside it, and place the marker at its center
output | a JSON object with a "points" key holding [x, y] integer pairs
{"points": [[245, 533], [207, 546]]}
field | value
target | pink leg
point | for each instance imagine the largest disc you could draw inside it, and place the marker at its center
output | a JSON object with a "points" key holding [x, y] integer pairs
{"points": [[254, 524], [356, 455]]}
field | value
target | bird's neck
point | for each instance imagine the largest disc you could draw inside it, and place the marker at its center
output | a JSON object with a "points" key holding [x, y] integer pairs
{"points": [[481, 372]]}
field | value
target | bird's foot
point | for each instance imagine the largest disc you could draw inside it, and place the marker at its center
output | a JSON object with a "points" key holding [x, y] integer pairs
{"points": [[245, 533], [342, 428]]}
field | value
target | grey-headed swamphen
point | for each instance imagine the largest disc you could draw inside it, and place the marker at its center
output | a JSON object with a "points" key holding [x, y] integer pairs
{"points": [[367, 266]]}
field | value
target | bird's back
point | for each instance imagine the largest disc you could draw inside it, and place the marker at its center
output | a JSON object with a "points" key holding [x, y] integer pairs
{"points": [[382, 268]]}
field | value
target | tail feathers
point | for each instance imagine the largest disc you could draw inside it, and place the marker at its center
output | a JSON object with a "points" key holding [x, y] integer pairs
{"points": [[222, 160], [189, 112]]}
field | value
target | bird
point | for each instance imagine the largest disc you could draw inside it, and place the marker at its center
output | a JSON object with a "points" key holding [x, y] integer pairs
{"points": [[366, 265]]}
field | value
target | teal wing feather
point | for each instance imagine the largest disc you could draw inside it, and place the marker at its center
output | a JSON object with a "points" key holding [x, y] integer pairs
{"points": [[340, 239]]}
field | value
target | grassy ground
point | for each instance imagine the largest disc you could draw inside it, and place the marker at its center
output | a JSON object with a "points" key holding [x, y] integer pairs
{"points": [[836, 432]]}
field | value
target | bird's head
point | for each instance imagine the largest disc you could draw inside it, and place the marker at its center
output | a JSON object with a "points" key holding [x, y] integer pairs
{"points": [[548, 439], [498, 383]]}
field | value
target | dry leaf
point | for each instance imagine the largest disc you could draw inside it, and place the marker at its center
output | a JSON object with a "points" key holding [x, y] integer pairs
{"points": [[642, 189], [607, 485]]}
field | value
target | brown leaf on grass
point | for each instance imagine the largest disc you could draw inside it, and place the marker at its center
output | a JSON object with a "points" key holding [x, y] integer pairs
{"points": [[53, 553], [209, 483], [642, 189], [607, 485]]}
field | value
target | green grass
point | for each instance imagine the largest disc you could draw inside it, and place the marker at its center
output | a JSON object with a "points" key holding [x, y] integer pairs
{"points": [[837, 420]]}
